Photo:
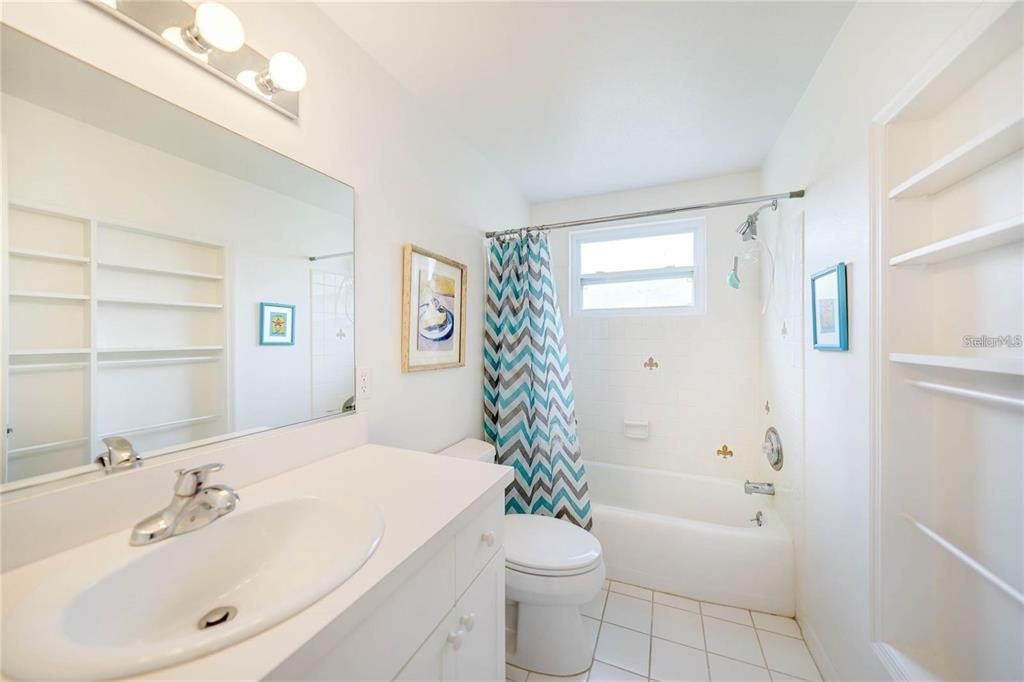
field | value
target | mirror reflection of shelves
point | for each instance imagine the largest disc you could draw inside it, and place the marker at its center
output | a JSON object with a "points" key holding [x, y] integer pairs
{"points": [[87, 361], [951, 532]]}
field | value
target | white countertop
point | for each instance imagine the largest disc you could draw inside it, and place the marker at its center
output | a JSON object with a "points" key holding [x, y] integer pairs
{"points": [[424, 498]]}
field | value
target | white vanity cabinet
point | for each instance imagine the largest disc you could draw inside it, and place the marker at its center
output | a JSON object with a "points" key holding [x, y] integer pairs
{"points": [[446, 621]]}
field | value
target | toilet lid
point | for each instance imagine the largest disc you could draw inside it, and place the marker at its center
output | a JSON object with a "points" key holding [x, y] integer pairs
{"points": [[545, 545]]}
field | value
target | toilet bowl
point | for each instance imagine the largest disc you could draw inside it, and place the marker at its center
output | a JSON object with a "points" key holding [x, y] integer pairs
{"points": [[552, 568]]}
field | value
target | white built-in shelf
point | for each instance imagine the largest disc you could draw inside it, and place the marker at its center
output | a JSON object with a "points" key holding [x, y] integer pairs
{"points": [[164, 425], [968, 561], [14, 453], [47, 366], [159, 349], [990, 146], [150, 362], [50, 351], [979, 239], [160, 304], [159, 271], [47, 255], [49, 295], [974, 364]]}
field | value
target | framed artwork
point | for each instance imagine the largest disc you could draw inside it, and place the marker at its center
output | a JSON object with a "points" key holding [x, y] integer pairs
{"points": [[277, 324], [433, 311], [829, 310]]}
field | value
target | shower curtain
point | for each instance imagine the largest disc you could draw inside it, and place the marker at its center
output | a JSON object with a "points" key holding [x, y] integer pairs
{"points": [[529, 407]]}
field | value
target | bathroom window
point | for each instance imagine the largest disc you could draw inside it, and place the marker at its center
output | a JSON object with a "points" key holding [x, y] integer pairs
{"points": [[639, 269]]}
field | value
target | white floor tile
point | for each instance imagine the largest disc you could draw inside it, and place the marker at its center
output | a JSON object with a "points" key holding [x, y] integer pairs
{"points": [[783, 626], [595, 607], [679, 626], [728, 670], [783, 677], [590, 629], [631, 590], [671, 662], [607, 584], [733, 640], [537, 677], [602, 672], [629, 612], [515, 674], [788, 655], [676, 602], [730, 613], [624, 648]]}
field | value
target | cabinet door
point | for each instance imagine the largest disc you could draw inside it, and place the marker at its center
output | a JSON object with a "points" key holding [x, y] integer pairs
{"points": [[434, 660], [480, 620]]}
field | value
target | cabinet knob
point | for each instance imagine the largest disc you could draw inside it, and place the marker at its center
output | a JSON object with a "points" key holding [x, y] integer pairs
{"points": [[455, 639], [488, 538], [468, 622]]}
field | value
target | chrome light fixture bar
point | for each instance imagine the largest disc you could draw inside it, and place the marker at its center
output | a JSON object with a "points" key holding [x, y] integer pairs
{"points": [[210, 36]]}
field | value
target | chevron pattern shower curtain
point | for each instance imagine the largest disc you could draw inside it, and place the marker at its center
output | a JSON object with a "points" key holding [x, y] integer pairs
{"points": [[529, 408]]}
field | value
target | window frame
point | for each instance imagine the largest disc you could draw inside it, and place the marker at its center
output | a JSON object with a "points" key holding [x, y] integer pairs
{"points": [[695, 226]]}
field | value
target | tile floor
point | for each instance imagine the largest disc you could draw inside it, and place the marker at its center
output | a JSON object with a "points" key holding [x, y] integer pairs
{"points": [[639, 634]]}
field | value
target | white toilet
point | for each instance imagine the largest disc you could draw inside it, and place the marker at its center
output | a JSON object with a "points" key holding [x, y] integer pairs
{"points": [[552, 568]]}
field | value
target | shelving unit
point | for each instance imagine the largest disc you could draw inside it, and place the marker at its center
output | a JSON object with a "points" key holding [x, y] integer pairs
{"points": [[948, 532], [981, 152], [1014, 366], [85, 361], [1001, 233]]}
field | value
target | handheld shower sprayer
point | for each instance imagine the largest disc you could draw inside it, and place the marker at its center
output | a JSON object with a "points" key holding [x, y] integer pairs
{"points": [[734, 276]]}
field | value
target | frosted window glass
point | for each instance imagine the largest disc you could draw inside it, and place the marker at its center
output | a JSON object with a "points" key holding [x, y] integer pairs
{"points": [[654, 293], [641, 253]]}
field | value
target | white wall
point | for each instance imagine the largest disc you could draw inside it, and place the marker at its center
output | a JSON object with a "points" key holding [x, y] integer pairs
{"points": [[704, 392], [414, 181], [824, 147]]}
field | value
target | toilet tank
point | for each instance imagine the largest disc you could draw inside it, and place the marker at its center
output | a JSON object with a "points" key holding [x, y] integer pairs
{"points": [[471, 448]]}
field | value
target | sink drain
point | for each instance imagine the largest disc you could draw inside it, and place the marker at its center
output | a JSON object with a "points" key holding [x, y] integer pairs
{"points": [[217, 616]]}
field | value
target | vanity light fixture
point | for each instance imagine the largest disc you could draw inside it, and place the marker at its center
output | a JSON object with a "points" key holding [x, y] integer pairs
{"points": [[212, 36], [215, 26], [284, 73]]}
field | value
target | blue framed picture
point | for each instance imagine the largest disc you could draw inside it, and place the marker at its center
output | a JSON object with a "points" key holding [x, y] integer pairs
{"points": [[277, 324], [829, 310]]}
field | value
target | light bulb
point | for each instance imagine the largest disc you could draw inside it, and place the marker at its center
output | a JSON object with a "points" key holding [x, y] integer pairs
{"points": [[286, 72], [173, 36], [215, 27], [249, 79]]}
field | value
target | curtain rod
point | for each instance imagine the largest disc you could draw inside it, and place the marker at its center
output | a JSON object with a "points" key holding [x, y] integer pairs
{"points": [[650, 214], [331, 255]]}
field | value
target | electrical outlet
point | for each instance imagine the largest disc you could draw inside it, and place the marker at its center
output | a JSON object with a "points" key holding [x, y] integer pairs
{"points": [[362, 385]]}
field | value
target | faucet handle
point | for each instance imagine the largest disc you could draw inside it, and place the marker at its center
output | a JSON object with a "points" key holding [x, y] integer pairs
{"points": [[190, 481]]}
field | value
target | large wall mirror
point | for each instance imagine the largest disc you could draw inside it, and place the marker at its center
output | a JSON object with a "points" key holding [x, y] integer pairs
{"points": [[165, 279]]}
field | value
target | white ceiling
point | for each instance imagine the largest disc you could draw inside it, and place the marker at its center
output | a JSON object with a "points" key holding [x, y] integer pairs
{"points": [[573, 98]]}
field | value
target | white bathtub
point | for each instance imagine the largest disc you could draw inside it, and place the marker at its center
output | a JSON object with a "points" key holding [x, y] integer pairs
{"points": [[692, 536]]}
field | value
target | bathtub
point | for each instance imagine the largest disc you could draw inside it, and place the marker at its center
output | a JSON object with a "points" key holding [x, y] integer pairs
{"points": [[692, 536]]}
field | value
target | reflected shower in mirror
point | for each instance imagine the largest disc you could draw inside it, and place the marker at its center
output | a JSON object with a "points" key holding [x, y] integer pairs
{"points": [[168, 280]]}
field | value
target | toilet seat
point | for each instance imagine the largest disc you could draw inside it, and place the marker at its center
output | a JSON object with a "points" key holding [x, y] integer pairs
{"points": [[549, 547]]}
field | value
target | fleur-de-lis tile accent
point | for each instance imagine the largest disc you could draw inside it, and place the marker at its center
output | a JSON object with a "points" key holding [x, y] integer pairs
{"points": [[724, 452], [651, 364]]}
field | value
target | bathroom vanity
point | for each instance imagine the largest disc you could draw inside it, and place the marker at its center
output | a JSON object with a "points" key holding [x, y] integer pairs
{"points": [[428, 603]]}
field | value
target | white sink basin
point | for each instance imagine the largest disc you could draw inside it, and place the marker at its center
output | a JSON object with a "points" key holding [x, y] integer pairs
{"points": [[110, 610]]}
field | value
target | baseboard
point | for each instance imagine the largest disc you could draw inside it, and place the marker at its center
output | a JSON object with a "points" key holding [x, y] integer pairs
{"points": [[825, 667]]}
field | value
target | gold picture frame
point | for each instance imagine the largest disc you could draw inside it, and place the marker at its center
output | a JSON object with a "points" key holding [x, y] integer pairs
{"points": [[433, 311]]}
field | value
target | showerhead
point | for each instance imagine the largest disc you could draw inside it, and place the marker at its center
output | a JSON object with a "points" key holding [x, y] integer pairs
{"points": [[748, 228]]}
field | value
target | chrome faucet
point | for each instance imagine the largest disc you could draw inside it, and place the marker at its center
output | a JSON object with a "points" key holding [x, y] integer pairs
{"points": [[759, 488], [120, 454], [193, 506]]}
